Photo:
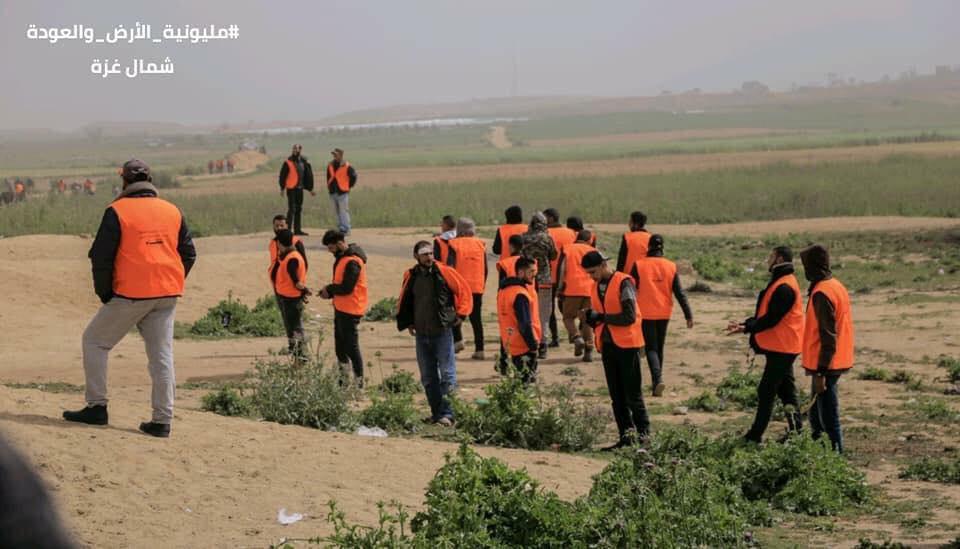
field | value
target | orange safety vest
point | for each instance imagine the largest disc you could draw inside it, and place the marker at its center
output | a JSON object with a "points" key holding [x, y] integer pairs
{"points": [[510, 335], [275, 251], [508, 267], [625, 337], [147, 265], [840, 298], [637, 243], [655, 287], [340, 176], [471, 258], [18, 187], [459, 289], [283, 285], [787, 335], [61, 186], [505, 232], [444, 246], [562, 237], [576, 280], [293, 178], [354, 303]]}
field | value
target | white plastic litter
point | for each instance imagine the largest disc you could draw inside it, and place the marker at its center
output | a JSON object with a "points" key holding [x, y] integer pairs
{"points": [[371, 432], [285, 519]]}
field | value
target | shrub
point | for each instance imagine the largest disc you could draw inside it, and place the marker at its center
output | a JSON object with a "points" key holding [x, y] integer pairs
{"points": [[865, 543], [715, 268], [228, 401], [872, 373], [393, 412], [230, 317], [706, 401], [934, 470], [571, 371], [952, 366], [382, 311], [304, 393], [934, 409], [739, 388], [400, 382]]}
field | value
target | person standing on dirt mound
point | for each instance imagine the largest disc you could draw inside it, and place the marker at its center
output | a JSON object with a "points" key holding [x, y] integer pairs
{"points": [[296, 175], [141, 257], [341, 178], [349, 294], [433, 300], [633, 245]]}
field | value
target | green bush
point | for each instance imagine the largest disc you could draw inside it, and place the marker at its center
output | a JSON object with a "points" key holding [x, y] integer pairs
{"points": [[393, 412], [707, 401], [934, 409], [382, 311], [952, 366], [400, 382], [934, 470], [872, 373], [302, 393], [715, 268], [230, 317], [228, 401], [865, 543], [739, 388]]}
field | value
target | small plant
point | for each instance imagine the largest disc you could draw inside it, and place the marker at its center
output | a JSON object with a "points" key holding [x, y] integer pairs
{"points": [[48, 387], [571, 371], [952, 366], [872, 373], [934, 409], [865, 543], [230, 317], [706, 401], [382, 311], [228, 401], [715, 268], [400, 382], [934, 470], [306, 393], [393, 412]]}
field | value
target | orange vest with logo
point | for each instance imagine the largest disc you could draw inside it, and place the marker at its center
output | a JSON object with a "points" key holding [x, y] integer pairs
{"points": [[293, 178], [655, 287], [283, 284], [787, 335], [339, 177], [576, 281], [471, 258], [147, 264], [275, 251], [354, 303], [505, 232], [637, 243], [510, 335], [840, 298], [625, 337], [562, 237]]}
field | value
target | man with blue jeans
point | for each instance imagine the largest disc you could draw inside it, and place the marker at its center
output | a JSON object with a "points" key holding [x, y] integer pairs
{"points": [[433, 300], [341, 177]]}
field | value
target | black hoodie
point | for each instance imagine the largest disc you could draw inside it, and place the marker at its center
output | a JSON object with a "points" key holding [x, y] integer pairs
{"points": [[816, 267], [351, 273], [522, 310], [781, 301]]}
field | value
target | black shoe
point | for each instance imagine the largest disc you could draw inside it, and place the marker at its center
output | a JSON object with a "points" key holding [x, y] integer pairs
{"points": [[91, 415], [161, 430], [301, 233], [554, 344], [542, 352]]}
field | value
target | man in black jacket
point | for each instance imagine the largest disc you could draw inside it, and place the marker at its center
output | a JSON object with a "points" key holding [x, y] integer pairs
{"points": [[296, 174], [346, 322]]}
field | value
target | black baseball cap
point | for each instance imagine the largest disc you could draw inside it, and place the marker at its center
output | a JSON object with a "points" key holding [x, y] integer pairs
{"points": [[592, 259], [135, 170]]}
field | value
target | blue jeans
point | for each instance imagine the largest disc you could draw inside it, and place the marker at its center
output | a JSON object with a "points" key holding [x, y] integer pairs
{"points": [[341, 210], [438, 371], [825, 414]]}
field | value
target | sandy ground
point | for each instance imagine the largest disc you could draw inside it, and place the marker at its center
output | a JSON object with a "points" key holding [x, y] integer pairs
{"points": [[624, 166], [219, 481], [664, 136]]}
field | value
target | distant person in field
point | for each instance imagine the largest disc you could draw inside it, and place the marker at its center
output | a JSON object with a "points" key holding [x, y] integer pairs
{"points": [[62, 186], [280, 224], [776, 331], [433, 300], [341, 178], [520, 328], [441, 240], [467, 254], [538, 246], [349, 294], [19, 191], [561, 236], [633, 244], [289, 278], [514, 225], [210, 165], [89, 187], [658, 283], [296, 175], [141, 256], [574, 288]]}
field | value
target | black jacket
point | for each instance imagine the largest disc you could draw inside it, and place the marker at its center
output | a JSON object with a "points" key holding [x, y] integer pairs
{"points": [[781, 301], [351, 174], [677, 287], [816, 267], [445, 301], [305, 179], [522, 311], [103, 252], [351, 273]]}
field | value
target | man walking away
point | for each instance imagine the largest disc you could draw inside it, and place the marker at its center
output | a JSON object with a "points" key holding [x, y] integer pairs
{"points": [[468, 256], [140, 257], [520, 328], [289, 277], [433, 299], [349, 294], [776, 331], [514, 225], [341, 178], [575, 224], [296, 174], [575, 287], [448, 231], [616, 317], [280, 224], [633, 245], [658, 283], [561, 236], [827, 342], [538, 246]]}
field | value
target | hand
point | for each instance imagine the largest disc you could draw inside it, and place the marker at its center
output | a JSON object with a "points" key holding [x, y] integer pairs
{"points": [[412, 330], [458, 321], [819, 384], [689, 323], [734, 328], [324, 294]]}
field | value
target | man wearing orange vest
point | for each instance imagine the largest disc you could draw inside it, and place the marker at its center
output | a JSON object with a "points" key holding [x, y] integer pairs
{"points": [[433, 299], [61, 186], [574, 294], [140, 257], [507, 267], [467, 254], [776, 331], [89, 187], [633, 245], [561, 237], [615, 315], [349, 294], [341, 178], [280, 224], [657, 284], [441, 240], [520, 328], [19, 190], [289, 278], [827, 342], [296, 175], [514, 225], [575, 224]]}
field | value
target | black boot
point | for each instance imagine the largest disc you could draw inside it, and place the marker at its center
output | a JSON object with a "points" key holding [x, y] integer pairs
{"points": [[160, 430], [91, 415]]}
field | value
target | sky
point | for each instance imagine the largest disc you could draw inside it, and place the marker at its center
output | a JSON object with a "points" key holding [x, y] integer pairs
{"points": [[302, 60]]}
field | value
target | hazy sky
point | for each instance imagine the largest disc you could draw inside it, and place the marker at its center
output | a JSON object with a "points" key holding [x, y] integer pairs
{"points": [[303, 60]]}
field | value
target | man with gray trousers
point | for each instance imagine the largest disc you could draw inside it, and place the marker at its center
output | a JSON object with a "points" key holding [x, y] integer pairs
{"points": [[141, 256]]}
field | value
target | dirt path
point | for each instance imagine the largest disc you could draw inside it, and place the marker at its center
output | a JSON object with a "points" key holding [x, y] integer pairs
{"points": [[498, 137], [624, 166]]}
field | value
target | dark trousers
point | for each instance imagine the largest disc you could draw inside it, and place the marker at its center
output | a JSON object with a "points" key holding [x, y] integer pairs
{"points": [[654, 337], [777, 381], [476, 322], [825, 414], [554, 334], [346, 341], [526, 366], [291, 310], [622, 370], [294, 208]]}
